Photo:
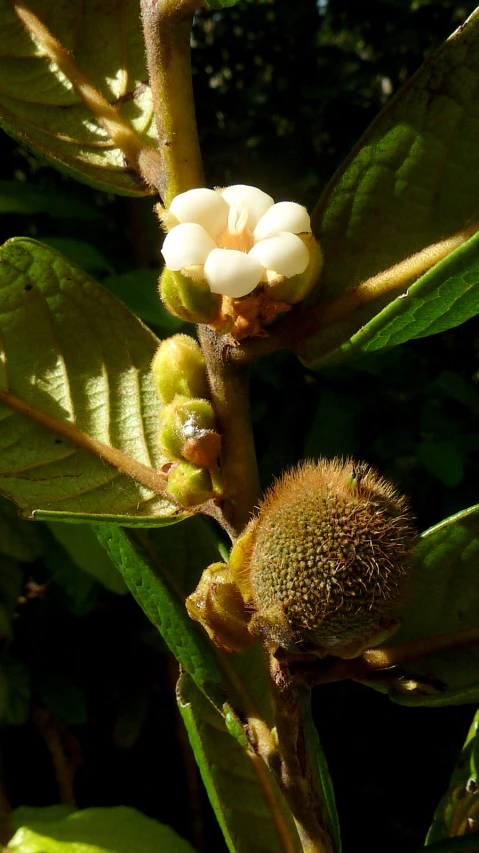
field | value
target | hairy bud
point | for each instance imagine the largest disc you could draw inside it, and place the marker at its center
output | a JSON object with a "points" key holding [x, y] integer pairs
{"points": [[179, 368], [188, 432]]}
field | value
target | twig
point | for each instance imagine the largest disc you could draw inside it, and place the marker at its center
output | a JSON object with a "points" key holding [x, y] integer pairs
{"points": [[297, 777], [229, 386], [166, 30]]}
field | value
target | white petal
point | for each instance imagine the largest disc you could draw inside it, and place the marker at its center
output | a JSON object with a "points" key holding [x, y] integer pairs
{"points": [[284, 253], [186, 245], [203, 206], [232, 273], [283, 216], [255, 200]]}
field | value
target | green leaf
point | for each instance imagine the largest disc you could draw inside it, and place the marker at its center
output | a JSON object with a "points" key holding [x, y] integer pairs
{"points": [[412, 179], [441, 299], [240, 788], [158, 587], [161, 567], [442, 600], [70, 349], [80, 542], [39, 106], [27, 199], [102, 830], [459, 803]]}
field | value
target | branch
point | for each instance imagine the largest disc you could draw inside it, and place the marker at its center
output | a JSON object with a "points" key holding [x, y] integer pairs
{"points": [[308, 320], [166, 30], [229, 384], [298, 777]]}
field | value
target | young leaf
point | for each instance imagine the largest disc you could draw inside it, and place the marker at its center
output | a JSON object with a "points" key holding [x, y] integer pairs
{"points": [[456, 813], [76, 394], [412, 179], [442, 298], [247, 802], [40, 102], [101, 830], [441, 601]]}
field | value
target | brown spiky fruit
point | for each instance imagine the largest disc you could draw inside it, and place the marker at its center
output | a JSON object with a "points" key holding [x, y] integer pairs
{"points": [[324, 564]]}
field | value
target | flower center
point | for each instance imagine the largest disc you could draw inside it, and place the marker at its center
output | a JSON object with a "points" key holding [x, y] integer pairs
{"points": [[236, 235]]}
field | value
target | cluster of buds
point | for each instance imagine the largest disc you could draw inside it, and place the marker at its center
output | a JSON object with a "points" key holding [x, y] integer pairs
{"points": [[236, 260], [188, 436]]}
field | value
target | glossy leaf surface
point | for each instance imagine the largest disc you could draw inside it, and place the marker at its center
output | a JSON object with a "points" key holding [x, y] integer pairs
{"points": [[100, 830], [39, 105], [74, 352]]}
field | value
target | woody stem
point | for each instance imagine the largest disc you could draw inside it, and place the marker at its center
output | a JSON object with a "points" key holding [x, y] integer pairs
{"points": [[229, 384]]}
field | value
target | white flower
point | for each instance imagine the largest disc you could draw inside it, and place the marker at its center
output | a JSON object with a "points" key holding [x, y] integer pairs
{"points": [[236, 238]]}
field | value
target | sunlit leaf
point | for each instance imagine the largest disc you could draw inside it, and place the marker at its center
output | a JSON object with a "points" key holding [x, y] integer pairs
{"points": [[70, 349], [443, 599], [39, 105], [444, 297], [248, 805], [457, 812], [413, 178], [103, 830]]}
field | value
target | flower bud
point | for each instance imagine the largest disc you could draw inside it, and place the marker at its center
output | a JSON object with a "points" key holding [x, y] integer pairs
{"points": [[217, 605], [189, 485], [189, 298], [179, 368], [187, 432]]}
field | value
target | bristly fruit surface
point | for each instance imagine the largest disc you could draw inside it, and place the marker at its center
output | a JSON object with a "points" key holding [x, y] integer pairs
{"points": [[327, 560]]}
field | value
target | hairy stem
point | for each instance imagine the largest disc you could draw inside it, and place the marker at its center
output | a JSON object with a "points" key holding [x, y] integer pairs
{"points": [[306, 321], [229, 385], [297, 774], [377, 662], [166, 30]]}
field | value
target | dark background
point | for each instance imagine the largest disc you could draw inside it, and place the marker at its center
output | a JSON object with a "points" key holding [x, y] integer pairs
{"points": [[283, 91]]}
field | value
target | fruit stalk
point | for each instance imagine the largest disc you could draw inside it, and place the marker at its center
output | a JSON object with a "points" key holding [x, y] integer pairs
{"points": [[298, 777]]}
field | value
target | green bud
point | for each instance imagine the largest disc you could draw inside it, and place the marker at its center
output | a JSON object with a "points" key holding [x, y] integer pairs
{"points": [[188, 298], [296, 288], [189, 485], [188, 432], [179, 368]]}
